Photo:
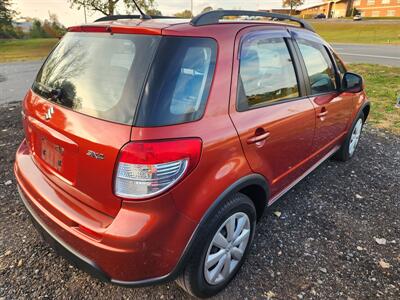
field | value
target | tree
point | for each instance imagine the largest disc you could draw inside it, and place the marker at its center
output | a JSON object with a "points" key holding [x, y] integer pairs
{"points": [[207, 9], [37, 30], [107, 7], [48, 28], [6, 13], [186, 14], [293, 4], [57, 28], [153, 12]]}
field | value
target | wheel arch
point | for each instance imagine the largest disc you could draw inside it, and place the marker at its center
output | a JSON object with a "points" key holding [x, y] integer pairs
{"points": [[258, 195], [366, 109], [254, 186]]}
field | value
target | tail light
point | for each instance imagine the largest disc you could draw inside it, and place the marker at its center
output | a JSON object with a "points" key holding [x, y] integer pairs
{"points": [[147, 169]]}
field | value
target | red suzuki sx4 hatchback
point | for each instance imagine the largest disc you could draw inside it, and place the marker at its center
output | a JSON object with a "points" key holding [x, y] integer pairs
{"points": [[153, 145]]}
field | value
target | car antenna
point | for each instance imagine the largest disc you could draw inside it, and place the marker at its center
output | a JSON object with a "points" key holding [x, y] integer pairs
{"points": [[142, 14]]}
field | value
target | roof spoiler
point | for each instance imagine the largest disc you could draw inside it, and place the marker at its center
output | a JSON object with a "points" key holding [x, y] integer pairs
{"points": [[213, 17], [130, 17]]}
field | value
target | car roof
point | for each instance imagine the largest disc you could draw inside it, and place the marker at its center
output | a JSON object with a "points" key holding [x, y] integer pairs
{"points": [[164, 26]]}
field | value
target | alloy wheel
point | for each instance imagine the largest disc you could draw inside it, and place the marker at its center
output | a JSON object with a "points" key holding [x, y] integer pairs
{"points": [[355, 137], [227, 248]]}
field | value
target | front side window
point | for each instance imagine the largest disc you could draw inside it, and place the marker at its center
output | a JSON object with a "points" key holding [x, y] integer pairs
{"points": [[97, 74], [179, 82], [319, 67], [266, 73]]}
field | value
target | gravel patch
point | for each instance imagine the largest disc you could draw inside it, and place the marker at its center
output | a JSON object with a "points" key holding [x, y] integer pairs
{"points": [[336, 235]]}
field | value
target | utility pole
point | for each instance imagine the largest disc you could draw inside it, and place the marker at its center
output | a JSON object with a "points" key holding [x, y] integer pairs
{"points": [[84, 11], [191, 7]]}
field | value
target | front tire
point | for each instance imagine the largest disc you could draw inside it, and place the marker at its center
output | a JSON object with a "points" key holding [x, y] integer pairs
{"points": [[221, 249], [349, 146]]}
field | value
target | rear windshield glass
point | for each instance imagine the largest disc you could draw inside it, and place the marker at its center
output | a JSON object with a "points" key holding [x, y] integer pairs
{"points": [[179, 82], [98, 74]]}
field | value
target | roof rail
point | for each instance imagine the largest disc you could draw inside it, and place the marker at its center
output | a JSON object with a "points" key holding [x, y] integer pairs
{"points": [[130, 17], [213, 17]]}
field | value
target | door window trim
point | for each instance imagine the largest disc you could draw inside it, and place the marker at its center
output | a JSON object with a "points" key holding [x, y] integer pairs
{"points": [[306, 78], [332, 56], [301, 84]]}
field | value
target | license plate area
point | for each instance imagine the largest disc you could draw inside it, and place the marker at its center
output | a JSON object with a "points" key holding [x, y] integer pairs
{"points": [[52, 154]]}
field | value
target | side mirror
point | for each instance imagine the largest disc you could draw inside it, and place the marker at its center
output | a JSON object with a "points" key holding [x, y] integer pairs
{"points": [[352, 83]]}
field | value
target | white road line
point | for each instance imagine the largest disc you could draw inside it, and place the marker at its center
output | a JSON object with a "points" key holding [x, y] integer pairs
{"points": [[367, 55]]}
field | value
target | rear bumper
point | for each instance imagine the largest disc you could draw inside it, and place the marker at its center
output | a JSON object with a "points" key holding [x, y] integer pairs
{"points": [[141, 246], [60, 247]]}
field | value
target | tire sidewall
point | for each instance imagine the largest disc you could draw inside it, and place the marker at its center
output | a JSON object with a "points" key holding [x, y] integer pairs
{"points": [[201, 287]]}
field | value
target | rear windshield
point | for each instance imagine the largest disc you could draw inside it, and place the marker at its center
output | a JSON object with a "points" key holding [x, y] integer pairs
{"points": [[98, 74], [104, 76]]}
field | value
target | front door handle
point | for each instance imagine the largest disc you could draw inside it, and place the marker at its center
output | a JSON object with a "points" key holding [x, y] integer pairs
{"points": [[258, 138]]}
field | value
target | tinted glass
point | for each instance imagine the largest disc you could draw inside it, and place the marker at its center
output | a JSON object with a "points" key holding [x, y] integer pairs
{"points": [[266, 73], [179, 82], [319, 67], [98, 74]]}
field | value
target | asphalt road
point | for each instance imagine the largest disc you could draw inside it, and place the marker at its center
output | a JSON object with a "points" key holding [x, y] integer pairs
{"points": [[16, 78], [371, 54]]}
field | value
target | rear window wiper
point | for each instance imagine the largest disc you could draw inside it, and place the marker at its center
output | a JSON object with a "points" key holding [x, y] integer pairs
{"points": [[53, 93]]}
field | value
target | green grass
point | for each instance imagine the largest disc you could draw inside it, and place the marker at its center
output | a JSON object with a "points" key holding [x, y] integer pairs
{"points": [[359, 33], [337, 32], [20, 50], [383, 88]]}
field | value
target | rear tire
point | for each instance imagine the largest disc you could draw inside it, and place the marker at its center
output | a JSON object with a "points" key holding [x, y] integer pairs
{"points": [[216, 260], [349, 146]]}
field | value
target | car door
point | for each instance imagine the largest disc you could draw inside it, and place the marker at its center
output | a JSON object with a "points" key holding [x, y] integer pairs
{"points": [[272, 114], [323, 82]]}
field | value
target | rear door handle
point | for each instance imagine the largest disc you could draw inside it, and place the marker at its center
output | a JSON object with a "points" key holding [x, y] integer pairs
{"points": [[258, 138], [323, 113]]}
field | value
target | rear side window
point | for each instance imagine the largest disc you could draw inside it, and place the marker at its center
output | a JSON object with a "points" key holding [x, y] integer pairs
{"points": [[179, 82], [267, 74], [98, 74], [319, 67]]}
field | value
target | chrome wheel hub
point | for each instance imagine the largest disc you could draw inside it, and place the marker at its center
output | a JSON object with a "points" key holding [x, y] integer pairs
{"points": [[227, 248], [355, 137]]}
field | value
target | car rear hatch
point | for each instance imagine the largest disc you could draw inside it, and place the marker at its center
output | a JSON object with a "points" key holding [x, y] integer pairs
{"points": [[80, 111]]}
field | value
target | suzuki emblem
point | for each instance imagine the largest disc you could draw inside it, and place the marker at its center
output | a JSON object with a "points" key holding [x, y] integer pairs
{"points": [[49, 113]]}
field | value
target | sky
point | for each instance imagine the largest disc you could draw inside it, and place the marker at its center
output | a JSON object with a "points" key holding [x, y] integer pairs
{"points": [[71, 16]]}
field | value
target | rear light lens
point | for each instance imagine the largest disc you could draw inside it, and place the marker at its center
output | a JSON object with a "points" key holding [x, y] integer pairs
{"points": [[147, 169]]}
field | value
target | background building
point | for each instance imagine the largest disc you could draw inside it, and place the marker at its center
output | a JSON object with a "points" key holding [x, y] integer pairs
{"points": [[378, 8], [343, 8], [330, 8], [25, 25]]}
